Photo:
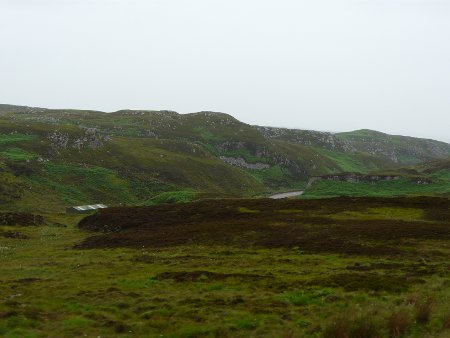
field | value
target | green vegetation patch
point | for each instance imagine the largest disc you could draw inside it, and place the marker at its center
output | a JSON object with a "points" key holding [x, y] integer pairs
{"points": [[17, 154], [246, 323], [383, 213], [310, 297], [349, 162], [277, 176], [443, 174], [179, 196], [77, 322], [247, 210], [331, 188], [205, 134], [83, 184], [11, 138]]}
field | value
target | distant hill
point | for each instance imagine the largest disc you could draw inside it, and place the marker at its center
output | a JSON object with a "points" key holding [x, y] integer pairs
{"points": [[51, 158], [426, 178], [400, 149]]}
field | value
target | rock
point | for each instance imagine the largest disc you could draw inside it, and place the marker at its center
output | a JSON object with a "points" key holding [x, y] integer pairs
{"points": [[241, 163]]}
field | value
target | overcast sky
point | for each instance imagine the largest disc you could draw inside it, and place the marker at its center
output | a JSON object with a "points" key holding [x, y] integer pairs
{"points": [[333, 65]]}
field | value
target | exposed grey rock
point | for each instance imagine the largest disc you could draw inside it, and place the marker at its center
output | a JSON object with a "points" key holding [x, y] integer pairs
{"points": [[92, 138], [58, 140], [306, 137], [353, 178], [241, 163]]}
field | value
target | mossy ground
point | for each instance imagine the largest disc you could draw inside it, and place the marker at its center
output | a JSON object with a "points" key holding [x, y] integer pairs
{"points": [[202, 288]]}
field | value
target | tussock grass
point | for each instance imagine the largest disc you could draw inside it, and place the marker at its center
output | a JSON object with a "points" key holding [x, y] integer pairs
{"points": [[424, 309], [399, 322]]}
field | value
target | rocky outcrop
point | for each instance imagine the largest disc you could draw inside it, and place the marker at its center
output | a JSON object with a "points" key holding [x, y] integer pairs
{"points": [[263, 153], [354, 178], [91, 138], [361, 178], [421, 180], [325, 140], [241, 163]]}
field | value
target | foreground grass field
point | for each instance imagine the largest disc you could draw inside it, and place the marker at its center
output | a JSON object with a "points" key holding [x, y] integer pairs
{"points": [[343, 267]]}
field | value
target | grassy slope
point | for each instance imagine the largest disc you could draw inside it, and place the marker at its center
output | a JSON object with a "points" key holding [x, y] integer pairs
{"points": [[129, 171], [400, 187], [436, 172], [402, 149]]}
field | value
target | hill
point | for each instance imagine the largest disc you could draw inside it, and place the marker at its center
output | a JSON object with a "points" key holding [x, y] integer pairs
{"points": [[51, 158], [399, 149], [427, 178]]}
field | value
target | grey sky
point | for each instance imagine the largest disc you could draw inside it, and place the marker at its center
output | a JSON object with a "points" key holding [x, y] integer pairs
{"points": [[333, 65]]}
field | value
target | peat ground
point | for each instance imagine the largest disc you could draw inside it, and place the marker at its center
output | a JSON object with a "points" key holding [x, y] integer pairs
{"points": [[365, 226]]}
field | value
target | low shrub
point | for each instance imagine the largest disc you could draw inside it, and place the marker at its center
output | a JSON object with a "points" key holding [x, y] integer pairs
{"points": [[424, 309], [446, 321], [398, 323], [338, 328], [365, 327]]}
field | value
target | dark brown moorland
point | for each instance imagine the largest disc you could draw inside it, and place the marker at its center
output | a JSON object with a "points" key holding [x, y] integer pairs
{"points": [[338, 225]]}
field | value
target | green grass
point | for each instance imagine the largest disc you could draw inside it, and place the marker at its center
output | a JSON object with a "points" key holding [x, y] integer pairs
{"points": [[351, 162], [443, 174], [277, 177], [383, 213], [181, 196], [302, 299], [330, 188], [210, 148], [85, 185], [15, 137], [247, 210], [205, 134], [77, 322], [17, 154]]}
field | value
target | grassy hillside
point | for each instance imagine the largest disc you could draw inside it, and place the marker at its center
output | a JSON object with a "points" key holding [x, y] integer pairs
{"points": [[53, 158], [439, 169], [400, 149], [400, 187], [428, 178]]}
